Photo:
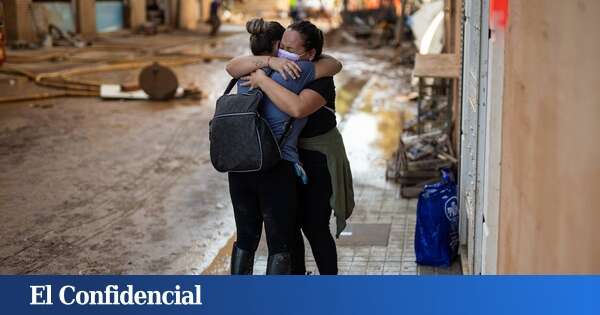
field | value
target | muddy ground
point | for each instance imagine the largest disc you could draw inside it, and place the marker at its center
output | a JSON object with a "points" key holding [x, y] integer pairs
{"points": [[126, 187]]}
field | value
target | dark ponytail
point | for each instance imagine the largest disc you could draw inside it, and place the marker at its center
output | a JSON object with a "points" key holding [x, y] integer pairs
{"points": [[263, 35], [312, 35]]}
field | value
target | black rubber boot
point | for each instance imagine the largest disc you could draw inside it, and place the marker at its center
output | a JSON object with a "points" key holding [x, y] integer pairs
{"points": [[298, 267], [279, 264], [242, 261]]}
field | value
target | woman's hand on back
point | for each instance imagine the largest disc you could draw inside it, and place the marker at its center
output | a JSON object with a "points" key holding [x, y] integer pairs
{"points": [[286, 68], [254, 79]]}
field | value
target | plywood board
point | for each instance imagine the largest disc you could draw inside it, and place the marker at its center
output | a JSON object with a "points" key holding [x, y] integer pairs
{"points": [[550, 188], [437, 66]]}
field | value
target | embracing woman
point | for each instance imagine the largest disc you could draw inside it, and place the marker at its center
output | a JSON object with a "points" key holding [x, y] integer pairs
{"points": [[271, 195], [321, 149]]}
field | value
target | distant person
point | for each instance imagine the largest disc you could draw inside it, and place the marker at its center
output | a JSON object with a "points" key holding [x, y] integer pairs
{"points": [[215, 19], [296, 12]]}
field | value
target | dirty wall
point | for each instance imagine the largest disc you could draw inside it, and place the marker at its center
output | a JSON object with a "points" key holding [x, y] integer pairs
{"points": [[550, 189]]}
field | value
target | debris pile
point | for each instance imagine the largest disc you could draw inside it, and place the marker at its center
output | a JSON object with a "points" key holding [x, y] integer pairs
{"points": [[376, 27], [68, 81], [427, 143], [425, 147], [58, 37], [151, 87]]}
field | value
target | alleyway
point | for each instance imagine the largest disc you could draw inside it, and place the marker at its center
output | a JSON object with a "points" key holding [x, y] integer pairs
{"points": [[121, 187]]}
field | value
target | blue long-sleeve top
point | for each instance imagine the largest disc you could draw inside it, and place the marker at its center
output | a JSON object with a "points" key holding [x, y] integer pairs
{"points": [[278, 119]]}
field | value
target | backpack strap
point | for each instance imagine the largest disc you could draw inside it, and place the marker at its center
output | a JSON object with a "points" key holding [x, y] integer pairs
{"points": [[288, 127], [268, 71], [230, 86]]}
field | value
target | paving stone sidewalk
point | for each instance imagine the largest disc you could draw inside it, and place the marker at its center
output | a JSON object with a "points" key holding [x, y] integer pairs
{"points": [[377, 202], [372, 250]]}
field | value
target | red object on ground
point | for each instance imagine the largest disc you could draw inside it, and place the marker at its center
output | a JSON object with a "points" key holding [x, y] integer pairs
{"points": [[499, 13]]}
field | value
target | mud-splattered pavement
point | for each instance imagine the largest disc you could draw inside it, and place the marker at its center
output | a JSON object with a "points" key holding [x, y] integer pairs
{"points": [[126, 187], [121, 187]]}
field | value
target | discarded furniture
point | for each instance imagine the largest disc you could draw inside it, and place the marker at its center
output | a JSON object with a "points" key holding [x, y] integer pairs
{"points": [[426, 146], [418, 161], [439, 66]]}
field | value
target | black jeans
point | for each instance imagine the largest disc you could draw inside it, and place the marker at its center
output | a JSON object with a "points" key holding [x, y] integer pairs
{"points": [[313, 216], [270, 196]]}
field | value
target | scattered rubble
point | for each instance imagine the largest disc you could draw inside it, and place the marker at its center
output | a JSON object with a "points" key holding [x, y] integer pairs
{"points": [[67, 83], [57, 37], [425, 147]]}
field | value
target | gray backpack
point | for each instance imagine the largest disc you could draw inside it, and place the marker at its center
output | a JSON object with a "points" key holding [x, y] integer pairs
{"points": [[240, 139]]}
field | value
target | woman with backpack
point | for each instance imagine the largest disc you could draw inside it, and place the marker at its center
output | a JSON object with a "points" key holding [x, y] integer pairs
{"points": [[271, 195], [321, 148]]}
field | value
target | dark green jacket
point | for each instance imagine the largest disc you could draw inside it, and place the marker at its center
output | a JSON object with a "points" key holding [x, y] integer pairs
{"points": [[332, 146]]}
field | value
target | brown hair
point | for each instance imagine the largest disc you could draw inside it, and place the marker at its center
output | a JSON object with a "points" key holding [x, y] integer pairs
{"points": [[263, 35]]}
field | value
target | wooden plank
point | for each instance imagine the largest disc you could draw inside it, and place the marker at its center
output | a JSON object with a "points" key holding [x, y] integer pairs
{"points": [[19, 25], [85, 17], [457, 15], [189, 14], [171, 13], [437, 66], [205, 9], [137, 13], [448, 26]]}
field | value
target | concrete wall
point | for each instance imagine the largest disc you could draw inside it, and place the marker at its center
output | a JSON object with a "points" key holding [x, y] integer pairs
{"points": [[550, 177]]}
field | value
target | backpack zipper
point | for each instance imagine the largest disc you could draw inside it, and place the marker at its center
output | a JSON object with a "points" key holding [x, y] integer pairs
{"points": [[234, 114]]}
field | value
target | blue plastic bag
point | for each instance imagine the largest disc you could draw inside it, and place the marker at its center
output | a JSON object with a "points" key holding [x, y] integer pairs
{"points": [[436, 233]]}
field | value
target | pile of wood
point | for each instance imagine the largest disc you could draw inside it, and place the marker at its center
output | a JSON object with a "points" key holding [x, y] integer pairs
{"points": [[425, 147], [428, 142], [419, 160], [373, 28]]}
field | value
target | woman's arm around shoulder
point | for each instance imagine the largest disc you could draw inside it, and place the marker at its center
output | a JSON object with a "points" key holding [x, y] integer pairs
{"points": [[327, 66], [244, 65], [297, 106]]}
